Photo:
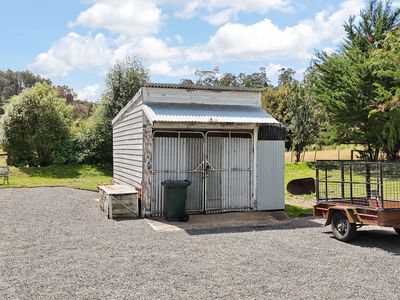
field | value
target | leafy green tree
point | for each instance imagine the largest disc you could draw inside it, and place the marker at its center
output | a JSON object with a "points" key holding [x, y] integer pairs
{"points": [[293, 103], [12, 83], [345, 83], [304, 118], [36, 127], [254, 80], [123, 81], [186, 81], [67, 93], [275, 98], [385, 65]]}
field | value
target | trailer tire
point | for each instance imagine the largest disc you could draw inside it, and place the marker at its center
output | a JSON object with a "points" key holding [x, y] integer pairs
{"points": [[397, 230], [342, 229]]}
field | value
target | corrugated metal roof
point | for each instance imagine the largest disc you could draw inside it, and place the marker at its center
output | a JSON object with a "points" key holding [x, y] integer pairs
{"points": [[202, 87], [202, 113]]}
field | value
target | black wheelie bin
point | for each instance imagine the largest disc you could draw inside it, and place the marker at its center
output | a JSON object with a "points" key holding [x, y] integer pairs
{"points": [[175, 200]]}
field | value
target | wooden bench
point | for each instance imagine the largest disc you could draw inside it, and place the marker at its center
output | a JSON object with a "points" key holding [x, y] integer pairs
{"points": [[5, 173]]}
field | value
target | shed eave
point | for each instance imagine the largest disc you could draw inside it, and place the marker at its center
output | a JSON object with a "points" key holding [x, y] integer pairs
{"points": [[206, 114]]}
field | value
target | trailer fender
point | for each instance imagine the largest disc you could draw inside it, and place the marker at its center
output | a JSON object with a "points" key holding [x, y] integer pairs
{"points": [[351, 214]]}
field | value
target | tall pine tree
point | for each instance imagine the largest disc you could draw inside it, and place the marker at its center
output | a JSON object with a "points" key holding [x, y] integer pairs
{"points": [[345, 82]]}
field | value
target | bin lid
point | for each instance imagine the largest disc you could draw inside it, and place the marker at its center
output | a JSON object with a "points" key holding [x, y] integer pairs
{"points": [[176, 183]]}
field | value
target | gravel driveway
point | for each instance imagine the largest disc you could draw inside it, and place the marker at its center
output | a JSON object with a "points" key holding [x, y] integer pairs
{"points": [[56, 244]]}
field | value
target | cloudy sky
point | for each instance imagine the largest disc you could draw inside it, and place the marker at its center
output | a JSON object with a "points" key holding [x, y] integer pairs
{"points": [[75, 42]]}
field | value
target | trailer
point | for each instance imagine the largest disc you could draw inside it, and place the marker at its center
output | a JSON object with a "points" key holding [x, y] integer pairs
{"points": [[352, 194]]}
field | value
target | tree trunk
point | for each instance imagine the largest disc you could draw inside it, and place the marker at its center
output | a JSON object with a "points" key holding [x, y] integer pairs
{"points": [[298, 156]]}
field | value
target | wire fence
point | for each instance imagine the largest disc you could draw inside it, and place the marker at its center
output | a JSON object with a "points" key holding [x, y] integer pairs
{"points": [[373, 184]]}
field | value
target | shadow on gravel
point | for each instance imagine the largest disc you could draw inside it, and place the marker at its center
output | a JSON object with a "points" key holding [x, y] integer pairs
{"points": [[295, 224], [380, 239], [125, 219]]}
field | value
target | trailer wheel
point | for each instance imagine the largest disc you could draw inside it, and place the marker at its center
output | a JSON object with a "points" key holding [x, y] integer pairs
{"points": [[397, 230], [342, 229]]}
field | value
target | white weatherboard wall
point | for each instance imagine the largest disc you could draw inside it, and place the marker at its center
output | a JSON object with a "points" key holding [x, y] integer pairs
{"points": [[270, 175], [128, 147], [160, 95]]}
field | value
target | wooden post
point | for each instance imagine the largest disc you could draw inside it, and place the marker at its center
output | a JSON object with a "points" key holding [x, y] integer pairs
{"points": [[315, 156]]}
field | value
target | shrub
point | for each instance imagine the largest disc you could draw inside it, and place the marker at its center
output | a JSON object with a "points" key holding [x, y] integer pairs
{"points": [[36, 127]]}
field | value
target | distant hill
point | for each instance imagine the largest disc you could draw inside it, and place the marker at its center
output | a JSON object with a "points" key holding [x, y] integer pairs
{"points": [[14, 82]]}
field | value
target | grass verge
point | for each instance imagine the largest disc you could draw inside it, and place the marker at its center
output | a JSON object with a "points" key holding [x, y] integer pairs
{"points": [[299, 170], [76, 176], [88, 177], [294, 211]]}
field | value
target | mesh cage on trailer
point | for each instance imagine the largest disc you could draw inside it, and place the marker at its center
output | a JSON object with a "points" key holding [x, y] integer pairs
{"points": [[371, 184]]}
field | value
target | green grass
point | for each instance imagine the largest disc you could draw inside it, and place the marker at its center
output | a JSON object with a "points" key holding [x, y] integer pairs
{"points": [[77, 176], [295, 171], [299, 170], [295, 211], [88, 177]]}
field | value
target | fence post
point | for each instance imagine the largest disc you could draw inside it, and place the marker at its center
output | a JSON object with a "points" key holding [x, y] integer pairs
{"points": [[342, 178], [326, 182], [317, 181], [368, 180], [381, 183], [351, 181]]}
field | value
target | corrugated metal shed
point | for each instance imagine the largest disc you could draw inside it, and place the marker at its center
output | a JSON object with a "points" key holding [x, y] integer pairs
{"points": [[128, 147], [219, 138], [203, 113], [270, 175], [202, 87]]}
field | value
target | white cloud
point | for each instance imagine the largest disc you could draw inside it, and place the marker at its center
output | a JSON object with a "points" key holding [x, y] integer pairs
{"points": [[251, 5], [199, 53], [396, 4], [218, 12], [272, 70], [265, 40], [330, 26], [178, 38], [71, 52], [262, 40], [133, 17], [89, 93], [189, 10], [164, 68], [328, 50], [221, 17], [155, 49], [82, 52]]}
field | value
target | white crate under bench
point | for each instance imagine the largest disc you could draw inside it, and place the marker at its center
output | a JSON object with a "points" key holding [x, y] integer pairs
{"points": [[119, 201]]}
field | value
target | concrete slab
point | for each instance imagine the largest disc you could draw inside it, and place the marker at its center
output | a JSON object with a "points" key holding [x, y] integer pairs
{"points": [[225, 220]]}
